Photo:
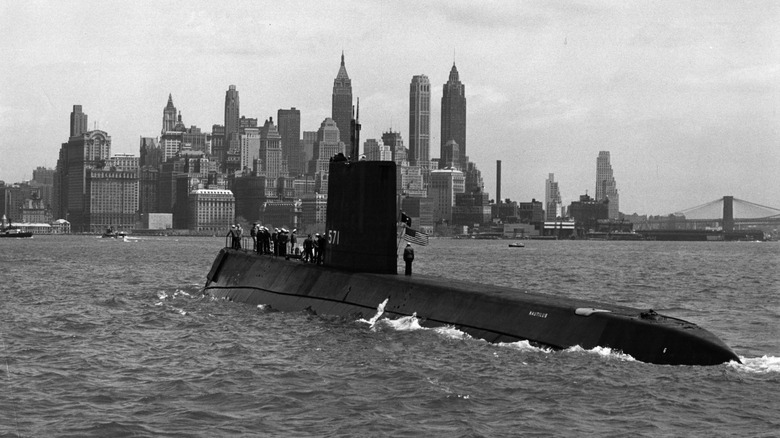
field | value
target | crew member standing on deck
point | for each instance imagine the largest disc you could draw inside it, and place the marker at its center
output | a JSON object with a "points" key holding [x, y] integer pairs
{"points": [[408, 258], [322, 243]]}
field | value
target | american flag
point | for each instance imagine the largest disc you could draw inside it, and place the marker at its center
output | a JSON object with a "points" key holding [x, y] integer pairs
{"points": [[414, 236]]}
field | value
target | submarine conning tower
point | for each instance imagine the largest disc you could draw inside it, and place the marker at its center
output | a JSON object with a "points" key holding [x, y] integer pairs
{"points": [[362, 216]]}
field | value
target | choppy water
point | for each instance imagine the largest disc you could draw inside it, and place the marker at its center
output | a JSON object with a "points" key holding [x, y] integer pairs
{"points": [[112, 338]]}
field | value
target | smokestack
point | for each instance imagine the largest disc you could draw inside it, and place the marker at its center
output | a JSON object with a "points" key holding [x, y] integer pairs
{"points": [[498, 181]]}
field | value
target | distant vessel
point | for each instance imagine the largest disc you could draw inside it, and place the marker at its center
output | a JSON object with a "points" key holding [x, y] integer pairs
{"points": [[359, 276], [517, 245], [9, 230], [113, 234], [12, 231]]}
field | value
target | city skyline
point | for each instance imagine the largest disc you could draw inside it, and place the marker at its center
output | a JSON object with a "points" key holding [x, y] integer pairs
{"points": [[684, 96]]}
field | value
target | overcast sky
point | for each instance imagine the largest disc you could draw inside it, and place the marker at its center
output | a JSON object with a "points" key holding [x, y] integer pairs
{"points": [[684, 94]]}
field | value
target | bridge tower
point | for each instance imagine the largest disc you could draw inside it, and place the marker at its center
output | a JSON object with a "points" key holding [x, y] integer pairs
{"points": [[728, 213]]}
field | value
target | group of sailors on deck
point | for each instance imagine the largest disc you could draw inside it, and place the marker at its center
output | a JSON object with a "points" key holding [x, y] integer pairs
{"points": [[281, 242]]}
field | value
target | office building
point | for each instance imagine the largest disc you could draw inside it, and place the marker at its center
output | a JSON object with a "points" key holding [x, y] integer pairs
{"points": [[78, 121], [552, 199], [453, 117], [420, 122], [342, 102], [289, 126], [606, 188], [445, 184]]}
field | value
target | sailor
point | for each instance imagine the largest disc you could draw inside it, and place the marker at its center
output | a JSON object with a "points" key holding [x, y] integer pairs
{"points": [[408, 258], [308, 247], [322, 243], [294, 242], [253, 233], [232, 235], [239, 232], [282, 238], [275, 241], [316, 247], [266, 239]]}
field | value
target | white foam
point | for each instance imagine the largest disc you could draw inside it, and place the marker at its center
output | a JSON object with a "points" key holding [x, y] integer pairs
{"points": [[380, 309], [604, 352], [759, 365], [452, 332], [523, 346]]}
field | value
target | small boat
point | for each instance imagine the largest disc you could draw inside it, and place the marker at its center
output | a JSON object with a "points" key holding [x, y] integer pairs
{"points": [[112, 234], [517, 245], [12, 231]]}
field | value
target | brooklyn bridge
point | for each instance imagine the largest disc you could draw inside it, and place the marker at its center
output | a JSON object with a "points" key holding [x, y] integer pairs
{"points": [[726, 218]]}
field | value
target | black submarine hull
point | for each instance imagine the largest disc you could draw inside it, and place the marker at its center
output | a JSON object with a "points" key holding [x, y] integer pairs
{"points": [[493, 313]]}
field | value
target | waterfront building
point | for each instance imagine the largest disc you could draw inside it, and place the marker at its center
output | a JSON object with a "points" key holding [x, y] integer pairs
{"points": [[211, 210], [445, 184], [85, 151], [586, 213], [341, 108], [376, 150], [471, 208], [552, 199], [453, 117], [113, 195], [606, 188], [420, 121], [289, 126]]}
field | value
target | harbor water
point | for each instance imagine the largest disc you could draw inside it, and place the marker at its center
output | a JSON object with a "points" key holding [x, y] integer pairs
{"points": [[112, 337]]}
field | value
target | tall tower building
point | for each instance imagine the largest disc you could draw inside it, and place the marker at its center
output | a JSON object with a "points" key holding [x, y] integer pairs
{"points": [[342, 101], [420, 122], [289, 126], [453, 116], [169, 116], [78, 121], [397, 148], [231, 112], [606, 188], [553, 205]]}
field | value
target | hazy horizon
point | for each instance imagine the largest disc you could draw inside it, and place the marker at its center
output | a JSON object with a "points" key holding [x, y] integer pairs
{"points": [[685, 96]]}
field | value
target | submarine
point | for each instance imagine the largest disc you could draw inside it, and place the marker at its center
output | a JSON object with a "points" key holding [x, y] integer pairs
{"points": [[359, 275]]}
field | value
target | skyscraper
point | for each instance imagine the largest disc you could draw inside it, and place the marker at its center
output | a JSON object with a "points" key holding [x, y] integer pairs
{"points": [[289, 125], [231, 112], [606, 188], [78, 121], [169, 115], [552, 198], [453, 116], [342, 102], [420, 121]]}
